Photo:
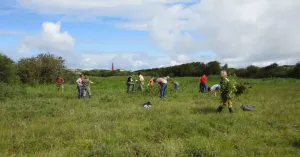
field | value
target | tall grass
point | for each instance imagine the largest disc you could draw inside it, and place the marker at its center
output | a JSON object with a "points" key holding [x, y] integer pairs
{"points": [[39, 121]]}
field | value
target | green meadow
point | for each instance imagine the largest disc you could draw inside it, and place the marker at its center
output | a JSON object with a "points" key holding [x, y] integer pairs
{"points": [[39, 121]]}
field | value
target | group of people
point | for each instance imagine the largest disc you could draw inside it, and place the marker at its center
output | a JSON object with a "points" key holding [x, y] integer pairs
{"points": [[162, 83], [226, 87], [205, 88], [83, 85]]}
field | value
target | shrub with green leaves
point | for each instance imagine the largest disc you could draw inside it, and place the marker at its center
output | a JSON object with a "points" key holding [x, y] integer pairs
{"points": [[7, 70], [228, 89]]}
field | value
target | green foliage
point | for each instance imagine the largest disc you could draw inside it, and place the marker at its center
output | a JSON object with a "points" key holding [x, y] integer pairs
{"points": [[7, 70], [41, 69], [43, 122], [296, 71], [228, 89], [241, 88]]}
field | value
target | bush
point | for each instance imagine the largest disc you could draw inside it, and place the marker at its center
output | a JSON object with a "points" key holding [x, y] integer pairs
{"points": [[41, 69], [7, 70]]}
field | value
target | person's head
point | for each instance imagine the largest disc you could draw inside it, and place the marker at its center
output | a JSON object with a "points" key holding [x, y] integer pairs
{"points": [[86, 77], [81, 76], [139, 73], [154, 80], [223, 74]]}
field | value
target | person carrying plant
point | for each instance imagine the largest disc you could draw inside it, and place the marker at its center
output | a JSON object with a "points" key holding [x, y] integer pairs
{"points": [[79, 83], [59, 83], [228, 90], [86, 87], [163, 84], [141, 81], [130, 83]]}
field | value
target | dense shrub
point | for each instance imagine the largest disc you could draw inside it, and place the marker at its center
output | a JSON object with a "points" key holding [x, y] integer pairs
{"points": [[7, 70], [41, 69]]}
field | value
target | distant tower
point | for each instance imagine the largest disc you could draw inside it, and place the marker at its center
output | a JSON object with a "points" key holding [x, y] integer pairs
{"points": [[112, 67]]}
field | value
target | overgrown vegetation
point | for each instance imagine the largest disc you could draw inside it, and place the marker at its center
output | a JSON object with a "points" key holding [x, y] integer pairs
{"points": [[43, 122]]}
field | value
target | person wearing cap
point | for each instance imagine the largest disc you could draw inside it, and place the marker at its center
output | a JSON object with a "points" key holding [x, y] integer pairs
{"points": [[163, 84]]}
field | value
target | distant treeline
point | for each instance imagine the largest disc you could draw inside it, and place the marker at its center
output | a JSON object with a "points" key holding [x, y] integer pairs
{"points": [[213, 68], [44, 68]]}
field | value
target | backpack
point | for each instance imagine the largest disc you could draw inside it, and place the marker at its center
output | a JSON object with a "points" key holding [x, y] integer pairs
{"points": [[248, 108]]}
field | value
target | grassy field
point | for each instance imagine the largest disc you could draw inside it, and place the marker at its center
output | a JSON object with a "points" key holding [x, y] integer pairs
{"points": [[41, 122]]}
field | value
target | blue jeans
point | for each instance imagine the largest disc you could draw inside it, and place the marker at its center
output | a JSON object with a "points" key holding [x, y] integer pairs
{"points": [[80, 91], [203, 87], [128, 86], [163, 90]]}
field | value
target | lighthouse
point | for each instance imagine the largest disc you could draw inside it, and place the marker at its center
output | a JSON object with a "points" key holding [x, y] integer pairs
{"points": [[112, 67]]}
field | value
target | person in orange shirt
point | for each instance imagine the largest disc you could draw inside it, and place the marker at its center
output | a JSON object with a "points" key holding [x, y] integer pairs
{"points": [[151, 81], [203, 84]]}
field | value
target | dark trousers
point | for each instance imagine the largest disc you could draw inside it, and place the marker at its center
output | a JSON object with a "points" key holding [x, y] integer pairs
{"points": [[128, 86]]}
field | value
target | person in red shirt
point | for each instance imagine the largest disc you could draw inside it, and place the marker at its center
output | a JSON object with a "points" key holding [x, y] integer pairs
{"points": [[203, 84], [59, 83]]}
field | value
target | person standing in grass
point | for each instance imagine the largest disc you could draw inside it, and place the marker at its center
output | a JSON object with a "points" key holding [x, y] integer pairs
{"points": [[150, 83], [79, 83], [141, 81], [86, 86], [175, 85], [203, 84], [213, 89], [163, 84], [228, 90], [59, 83], [130, 83]]}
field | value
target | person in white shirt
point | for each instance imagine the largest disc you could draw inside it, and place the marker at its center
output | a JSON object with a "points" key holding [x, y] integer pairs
{"points": [[163, 84], [141, 81], [79, 83], [213, 89]]}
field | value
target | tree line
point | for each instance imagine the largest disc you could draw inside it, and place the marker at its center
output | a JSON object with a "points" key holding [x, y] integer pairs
{"points": [[45, 67], [214, 67]]}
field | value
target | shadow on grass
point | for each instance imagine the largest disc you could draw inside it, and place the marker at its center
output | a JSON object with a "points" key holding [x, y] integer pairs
{"points": [[206, 110]]}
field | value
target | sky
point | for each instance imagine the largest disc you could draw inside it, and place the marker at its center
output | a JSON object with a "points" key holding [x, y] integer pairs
{"points": [[139, 34]]}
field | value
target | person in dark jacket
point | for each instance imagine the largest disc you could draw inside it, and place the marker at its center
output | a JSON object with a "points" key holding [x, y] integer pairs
{"points": [[130, 83]]}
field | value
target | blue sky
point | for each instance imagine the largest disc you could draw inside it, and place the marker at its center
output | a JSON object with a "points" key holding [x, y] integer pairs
{"points": [[140, 34]]}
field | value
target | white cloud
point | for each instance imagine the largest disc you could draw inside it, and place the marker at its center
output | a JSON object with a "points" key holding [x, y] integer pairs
{"points": [[240, 32], [121, 60], [50, 39]]}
